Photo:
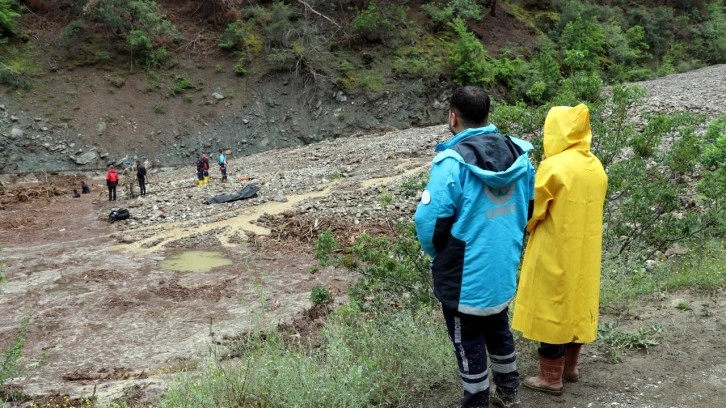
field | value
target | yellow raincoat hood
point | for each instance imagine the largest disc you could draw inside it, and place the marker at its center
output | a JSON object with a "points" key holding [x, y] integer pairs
{"points": [[558, 294], [567, 127]]}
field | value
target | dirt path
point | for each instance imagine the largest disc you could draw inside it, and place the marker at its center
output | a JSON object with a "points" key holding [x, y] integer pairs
{"points": [[687, 369]]}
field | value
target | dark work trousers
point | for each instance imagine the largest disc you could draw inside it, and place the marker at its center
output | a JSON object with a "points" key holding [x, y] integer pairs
{"points": [[142, 185], [223, 170], [111, 190], [472, 336], [554, 351]]}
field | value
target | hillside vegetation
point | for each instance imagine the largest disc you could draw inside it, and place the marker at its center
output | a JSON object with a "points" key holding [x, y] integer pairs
{"points": [[103, 75]]}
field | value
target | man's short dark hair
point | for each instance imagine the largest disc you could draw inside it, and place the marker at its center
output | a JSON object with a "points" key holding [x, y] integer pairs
{"points": [[472, 104]]}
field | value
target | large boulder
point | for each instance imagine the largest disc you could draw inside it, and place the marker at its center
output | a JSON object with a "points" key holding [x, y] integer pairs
{"points": [[85, 158]]}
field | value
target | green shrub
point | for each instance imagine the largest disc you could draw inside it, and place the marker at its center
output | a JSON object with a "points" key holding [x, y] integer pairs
{"points": [[713, 183], [583, 86], [414, 184], [584, 43], [385, 198], [393, 271], [233, 36], [612, 341], [71, 33], [325, 247], [240, 67], [463, 9], [13, 79], [320, 295], [9, 12], [468, 58], [359, 360], [371, 24], [180, 84], [11, 357], [425, 61], [139, 23]]}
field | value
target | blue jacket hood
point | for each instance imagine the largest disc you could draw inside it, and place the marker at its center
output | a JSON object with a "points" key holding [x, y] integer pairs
{"points": [[493, 178]]}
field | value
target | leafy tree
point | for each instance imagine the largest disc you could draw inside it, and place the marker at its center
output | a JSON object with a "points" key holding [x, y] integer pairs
{"points": [[139, 23], [468, 10], [469, 58], [371, 24], [9, 12]]}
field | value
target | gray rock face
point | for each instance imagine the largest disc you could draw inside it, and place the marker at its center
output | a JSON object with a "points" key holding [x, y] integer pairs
{"points": [[85, 158], [277, 118]]}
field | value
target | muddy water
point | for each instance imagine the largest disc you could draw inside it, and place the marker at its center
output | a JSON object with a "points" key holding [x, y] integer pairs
{"points": [[195, 261], [227, 229], [407, 169]]}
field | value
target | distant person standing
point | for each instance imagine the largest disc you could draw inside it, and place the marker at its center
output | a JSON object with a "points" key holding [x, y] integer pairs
{"points": [[111, 182], [558, 299], [147, 165], [223, 165], [141, 177], [200, 170], [128, 179], [205, 162]]}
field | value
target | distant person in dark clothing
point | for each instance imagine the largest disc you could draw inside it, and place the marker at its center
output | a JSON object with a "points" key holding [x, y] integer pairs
{"points": [[84, 188], [75, 193], [223, 165], [200, 171], [141, 177], [111, 182], [205, 163]]}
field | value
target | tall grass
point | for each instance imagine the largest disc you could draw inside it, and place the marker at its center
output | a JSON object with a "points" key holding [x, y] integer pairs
{"points": [[625, 285], [397, 359]]}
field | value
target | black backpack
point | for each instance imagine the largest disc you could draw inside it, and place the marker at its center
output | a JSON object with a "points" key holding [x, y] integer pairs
{"points": [[120, 214]]}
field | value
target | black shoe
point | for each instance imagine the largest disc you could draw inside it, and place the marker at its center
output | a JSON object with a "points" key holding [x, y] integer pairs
{"points": [[505, 398]]}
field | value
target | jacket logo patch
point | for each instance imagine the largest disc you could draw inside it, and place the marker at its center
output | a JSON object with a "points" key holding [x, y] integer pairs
{"points": [[499, 195], [425, 197]]}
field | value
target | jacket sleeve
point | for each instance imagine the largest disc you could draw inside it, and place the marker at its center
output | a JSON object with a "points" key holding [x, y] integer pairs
{"points": [[436, 212], [544, 191]]}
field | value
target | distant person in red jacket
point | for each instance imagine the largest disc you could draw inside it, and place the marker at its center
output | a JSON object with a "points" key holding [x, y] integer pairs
{"points": [[112, 182]]}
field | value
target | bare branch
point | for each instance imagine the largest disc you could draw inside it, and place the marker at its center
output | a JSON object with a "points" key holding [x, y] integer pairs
{"points": [[317, 12]]}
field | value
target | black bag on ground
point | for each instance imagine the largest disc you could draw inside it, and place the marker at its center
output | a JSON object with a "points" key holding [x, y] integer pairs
{"points": [[119, 214], [247, 191]]}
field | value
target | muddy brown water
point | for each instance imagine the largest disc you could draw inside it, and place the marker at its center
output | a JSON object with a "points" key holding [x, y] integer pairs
{"points": [[111, 316]]}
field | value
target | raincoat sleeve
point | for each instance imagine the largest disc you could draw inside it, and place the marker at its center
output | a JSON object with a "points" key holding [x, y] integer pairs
{"points": [[545, 187], [437, 209]]}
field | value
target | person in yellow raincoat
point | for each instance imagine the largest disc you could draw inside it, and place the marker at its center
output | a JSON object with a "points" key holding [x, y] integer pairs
{"points": [[558, 295]]}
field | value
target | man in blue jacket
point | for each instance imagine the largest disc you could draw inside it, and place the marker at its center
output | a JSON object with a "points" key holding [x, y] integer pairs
{"points": [[471, 221]]}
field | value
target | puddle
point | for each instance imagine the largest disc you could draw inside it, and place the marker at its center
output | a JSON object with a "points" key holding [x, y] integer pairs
{"points": [[195, 261]]}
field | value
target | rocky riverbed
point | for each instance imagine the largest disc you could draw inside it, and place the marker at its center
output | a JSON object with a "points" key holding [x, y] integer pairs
{"points": [[115, 320]]}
